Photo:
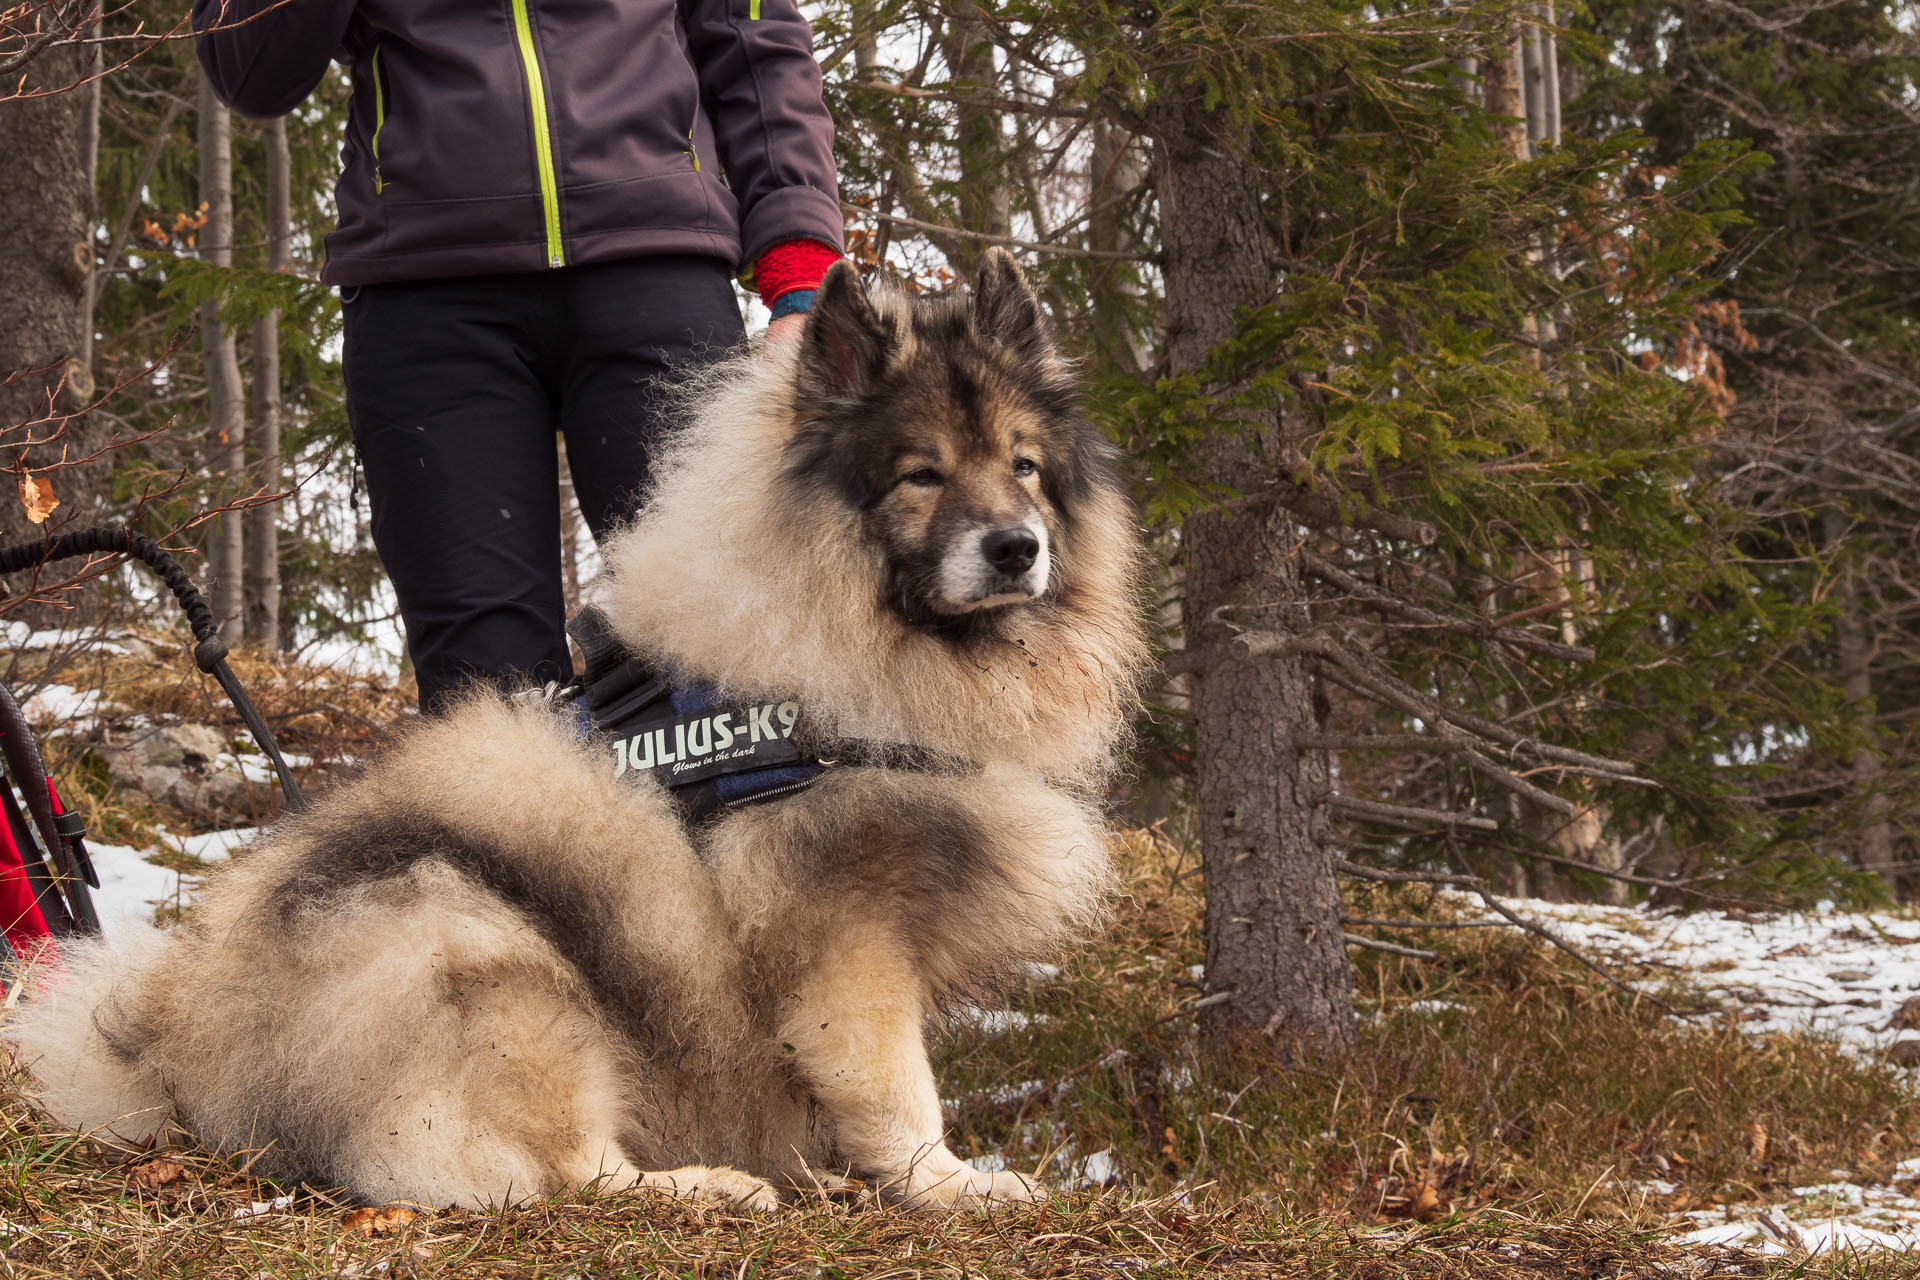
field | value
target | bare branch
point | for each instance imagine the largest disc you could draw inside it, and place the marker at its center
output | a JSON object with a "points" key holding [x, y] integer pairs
{"points": [[1409, 817], [1321, 512], [1372, 923], [1388, 604], [1031, 246], [1392, 948], [1380, 875]]}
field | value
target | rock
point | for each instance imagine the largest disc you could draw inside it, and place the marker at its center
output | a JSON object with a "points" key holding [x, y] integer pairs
{"points": [[179, 765], [1851, 975], [1904, 1053], [1906, 1017]]}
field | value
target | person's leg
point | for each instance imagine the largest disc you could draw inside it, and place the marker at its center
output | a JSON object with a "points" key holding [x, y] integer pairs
{"points": [[627, 325], [456, 432]]}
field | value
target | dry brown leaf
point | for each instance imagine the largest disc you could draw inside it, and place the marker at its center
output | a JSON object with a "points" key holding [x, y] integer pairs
{"points": [[1756, 1141], [1428, 1203], [36, 495], [377, 1222], [154, 1174]]}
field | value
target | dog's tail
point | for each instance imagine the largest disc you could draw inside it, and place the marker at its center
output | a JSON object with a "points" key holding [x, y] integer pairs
{"points": [[78, 1028]]}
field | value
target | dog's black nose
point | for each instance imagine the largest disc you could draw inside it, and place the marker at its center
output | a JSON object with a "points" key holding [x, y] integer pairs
{"points": [[1011, 551]]}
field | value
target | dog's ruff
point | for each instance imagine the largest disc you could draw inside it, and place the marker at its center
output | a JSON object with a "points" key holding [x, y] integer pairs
{"points": [[488, 970]]}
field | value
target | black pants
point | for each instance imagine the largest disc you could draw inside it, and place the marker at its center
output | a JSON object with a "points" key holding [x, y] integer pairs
{"points": [[455, 389]]}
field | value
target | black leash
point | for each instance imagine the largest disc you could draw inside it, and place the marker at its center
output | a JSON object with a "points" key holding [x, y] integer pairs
{"points": [[209, 650]]}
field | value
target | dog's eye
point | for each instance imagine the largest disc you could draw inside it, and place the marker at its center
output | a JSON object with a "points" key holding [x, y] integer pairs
{"points": [[1025, 466], [925, 477]]}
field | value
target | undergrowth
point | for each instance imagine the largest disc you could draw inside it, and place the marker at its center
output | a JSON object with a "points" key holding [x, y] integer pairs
{"points": [[1502, 1076]]}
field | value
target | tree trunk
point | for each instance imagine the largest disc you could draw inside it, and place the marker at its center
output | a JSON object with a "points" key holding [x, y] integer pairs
{"points": [[1873, 849], [983, 194], [46, 259], [226, 423], [262, 586], [1114, 170], [1501, 84], [1273, 935]]}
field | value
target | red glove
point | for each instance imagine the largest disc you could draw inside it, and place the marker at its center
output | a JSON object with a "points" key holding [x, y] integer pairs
{"points": [[792, 266]]}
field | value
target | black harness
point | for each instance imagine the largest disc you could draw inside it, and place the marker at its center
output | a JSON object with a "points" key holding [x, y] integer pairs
{"points": [[711, 753]]}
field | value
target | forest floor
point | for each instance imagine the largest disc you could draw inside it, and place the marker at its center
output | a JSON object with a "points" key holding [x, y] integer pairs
{"points": [[1506, 1114]]}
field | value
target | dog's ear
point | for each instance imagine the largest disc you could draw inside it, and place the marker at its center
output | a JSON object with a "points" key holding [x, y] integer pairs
{"points": [[1005, 308], [845, 347]]}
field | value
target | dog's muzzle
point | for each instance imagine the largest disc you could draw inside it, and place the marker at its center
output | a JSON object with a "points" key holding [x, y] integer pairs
{"points": [[995, 565]]}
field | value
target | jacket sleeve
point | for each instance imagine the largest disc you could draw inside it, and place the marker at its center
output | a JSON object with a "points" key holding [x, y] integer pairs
{"points": [[761, 89], [263, 57]]}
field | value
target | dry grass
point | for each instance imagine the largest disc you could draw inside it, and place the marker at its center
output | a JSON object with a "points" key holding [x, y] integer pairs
{"points": [[66, 1214]]}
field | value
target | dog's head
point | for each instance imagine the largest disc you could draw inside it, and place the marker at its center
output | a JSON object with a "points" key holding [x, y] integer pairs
{"points": [[949, 424]]}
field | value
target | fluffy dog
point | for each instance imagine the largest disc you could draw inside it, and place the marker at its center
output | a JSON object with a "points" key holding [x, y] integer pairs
{"points": [[489, 969]]}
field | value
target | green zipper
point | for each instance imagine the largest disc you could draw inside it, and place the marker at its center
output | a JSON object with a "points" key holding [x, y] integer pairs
{"points": [[753, 10], [379, 120], [542, 140]]}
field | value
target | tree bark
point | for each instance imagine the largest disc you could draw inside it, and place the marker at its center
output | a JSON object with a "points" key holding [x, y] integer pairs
{"points": [[1854, 644], [984, 205], [262, 585], [1114, 170], [226, 423], [1501, 83], [46, 261], [1273, 936]]}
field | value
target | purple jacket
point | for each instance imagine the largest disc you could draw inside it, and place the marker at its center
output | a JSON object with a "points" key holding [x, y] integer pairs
{"points": [[517, 135]]}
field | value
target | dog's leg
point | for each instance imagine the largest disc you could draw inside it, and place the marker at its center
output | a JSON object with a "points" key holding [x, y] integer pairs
{"points": [[855, 1026]]}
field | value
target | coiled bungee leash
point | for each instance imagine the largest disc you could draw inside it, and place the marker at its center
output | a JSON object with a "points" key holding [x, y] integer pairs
{"points": [[60, 895]]}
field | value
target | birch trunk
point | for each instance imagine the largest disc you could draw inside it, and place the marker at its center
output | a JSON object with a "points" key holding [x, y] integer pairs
{"points": [[226, 423], [262, 586]]}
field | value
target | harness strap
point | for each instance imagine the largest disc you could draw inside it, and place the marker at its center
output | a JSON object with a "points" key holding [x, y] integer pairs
{"points": [[711, 753]]}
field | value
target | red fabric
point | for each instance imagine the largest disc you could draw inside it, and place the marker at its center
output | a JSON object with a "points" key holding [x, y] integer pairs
{"points": [[20, 917], [792, 265]]}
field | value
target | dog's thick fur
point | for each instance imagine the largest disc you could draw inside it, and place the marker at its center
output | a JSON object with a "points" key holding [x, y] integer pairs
{"points": [[489, 969]]}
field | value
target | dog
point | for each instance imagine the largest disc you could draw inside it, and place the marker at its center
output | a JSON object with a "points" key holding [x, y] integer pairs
{"points": [[487, 969]]}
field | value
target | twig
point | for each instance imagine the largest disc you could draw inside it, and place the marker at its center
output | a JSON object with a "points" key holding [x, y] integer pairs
{"points": [[1381, 875], [1387, 603], [1547, 935], [1409, 817], [1372, 923], [1391, 948], [1031, 246]]}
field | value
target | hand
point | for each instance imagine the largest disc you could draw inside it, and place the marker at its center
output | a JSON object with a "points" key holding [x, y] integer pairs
{"points": [[785, 330]]}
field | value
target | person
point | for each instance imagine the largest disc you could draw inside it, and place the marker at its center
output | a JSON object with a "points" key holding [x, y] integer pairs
{"points": [[542, 205]]}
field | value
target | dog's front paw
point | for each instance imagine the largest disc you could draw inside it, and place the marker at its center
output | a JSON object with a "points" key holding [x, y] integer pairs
{"points": [[953, 1184], [716, 1185]]}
